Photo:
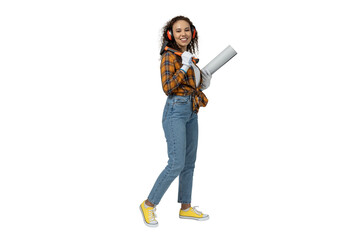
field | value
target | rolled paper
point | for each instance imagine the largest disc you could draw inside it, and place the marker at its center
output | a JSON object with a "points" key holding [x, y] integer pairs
{"points": [[220, 60]]}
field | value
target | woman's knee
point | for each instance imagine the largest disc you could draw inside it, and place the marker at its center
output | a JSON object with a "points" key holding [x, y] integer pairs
{"points": [[176, 169]]}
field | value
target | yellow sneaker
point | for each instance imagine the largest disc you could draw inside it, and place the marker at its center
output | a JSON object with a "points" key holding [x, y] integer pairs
{"points": [[149, 215], [193, 213]]}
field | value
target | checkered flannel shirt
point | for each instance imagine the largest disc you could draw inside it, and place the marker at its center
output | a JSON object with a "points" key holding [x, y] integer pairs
{"points": [[176, 82]]}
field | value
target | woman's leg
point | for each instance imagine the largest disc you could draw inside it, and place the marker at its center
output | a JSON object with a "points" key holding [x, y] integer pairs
{"points": [[186, 175], [174, 124]]}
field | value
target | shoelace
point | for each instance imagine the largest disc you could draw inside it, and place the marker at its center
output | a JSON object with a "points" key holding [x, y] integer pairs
{"points": [[152, 215], [196, 211]]}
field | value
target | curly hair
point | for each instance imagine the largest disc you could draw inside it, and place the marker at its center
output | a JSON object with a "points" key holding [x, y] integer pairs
{"points": [[193, 45]]}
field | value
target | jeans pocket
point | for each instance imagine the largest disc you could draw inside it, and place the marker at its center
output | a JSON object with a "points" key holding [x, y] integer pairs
{"points": [[180, 100]]}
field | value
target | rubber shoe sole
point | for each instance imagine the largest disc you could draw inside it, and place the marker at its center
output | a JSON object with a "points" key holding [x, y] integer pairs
{"points": [[195, 218]]}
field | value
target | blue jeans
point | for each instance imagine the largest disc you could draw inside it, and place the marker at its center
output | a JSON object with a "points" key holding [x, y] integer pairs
{"points": [[180, 125]]}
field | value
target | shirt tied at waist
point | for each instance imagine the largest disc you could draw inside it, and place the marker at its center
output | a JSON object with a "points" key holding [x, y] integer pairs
{"points": [[199, 99]]}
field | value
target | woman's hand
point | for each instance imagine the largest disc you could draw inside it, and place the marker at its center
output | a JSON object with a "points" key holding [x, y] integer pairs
{"points": [[186, 60]]}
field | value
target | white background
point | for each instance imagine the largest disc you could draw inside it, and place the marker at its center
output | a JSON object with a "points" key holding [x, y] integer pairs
{"points": [[81, 105]]}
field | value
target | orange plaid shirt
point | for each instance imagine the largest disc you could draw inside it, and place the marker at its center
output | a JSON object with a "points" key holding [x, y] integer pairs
{"points": [[177, 82]]}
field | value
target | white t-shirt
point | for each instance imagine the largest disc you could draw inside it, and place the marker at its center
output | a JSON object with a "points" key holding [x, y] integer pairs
{"points": [[197, 74]]}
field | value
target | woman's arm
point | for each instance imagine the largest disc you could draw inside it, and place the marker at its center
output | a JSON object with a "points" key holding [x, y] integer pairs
{"points": [[170, 78]]}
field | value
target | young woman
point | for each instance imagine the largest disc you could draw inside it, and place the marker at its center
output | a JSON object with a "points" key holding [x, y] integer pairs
{"points": [[182, 82]]}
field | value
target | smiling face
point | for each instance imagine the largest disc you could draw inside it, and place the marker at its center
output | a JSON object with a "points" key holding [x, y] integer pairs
{"points": [[182, 34]]}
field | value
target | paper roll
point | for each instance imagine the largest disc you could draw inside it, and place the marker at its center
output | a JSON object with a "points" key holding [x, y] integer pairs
{"points": [[219, 61]]}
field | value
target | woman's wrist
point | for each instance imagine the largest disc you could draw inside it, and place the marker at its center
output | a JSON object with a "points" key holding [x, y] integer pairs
{"points": [[184, 68]]}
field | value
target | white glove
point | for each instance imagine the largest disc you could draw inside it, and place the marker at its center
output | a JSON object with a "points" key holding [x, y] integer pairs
{"points": [[186, 60], [206, 74]]}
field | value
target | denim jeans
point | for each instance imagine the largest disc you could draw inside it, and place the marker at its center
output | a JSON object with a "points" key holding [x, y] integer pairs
{"points": [[180, 125]]}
